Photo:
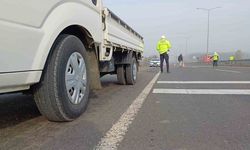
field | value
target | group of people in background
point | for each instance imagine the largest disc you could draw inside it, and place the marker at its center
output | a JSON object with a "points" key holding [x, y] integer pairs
{"points": [[216, 59], [163, 47]]}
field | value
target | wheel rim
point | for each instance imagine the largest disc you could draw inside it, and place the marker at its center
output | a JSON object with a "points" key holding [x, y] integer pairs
{"points": [[76, 78], [134, 71]]}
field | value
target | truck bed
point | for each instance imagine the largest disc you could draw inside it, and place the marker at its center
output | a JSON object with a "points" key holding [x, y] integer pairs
{"points": [[121, 35]]}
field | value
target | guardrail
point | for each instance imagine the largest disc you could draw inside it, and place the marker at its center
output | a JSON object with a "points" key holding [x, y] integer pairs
{"points": [[243, 62], [239, 63]]}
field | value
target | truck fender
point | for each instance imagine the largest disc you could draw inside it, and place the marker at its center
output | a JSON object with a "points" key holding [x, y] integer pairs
{"points": [[64, 15]]}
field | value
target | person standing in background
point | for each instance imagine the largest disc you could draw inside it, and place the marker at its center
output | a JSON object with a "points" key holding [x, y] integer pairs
{"points": [[180, 60], [215, 59], [231, 59], [163, 47]]}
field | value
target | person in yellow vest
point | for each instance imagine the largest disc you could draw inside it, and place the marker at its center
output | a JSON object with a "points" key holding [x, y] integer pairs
{"points": [[163, 47], [231, 59], [215, 59]]}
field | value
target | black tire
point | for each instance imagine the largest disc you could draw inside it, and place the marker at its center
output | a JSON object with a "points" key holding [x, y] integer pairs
{"points": [[138, 66], [130, 72], [121, 75], [51, 94]]}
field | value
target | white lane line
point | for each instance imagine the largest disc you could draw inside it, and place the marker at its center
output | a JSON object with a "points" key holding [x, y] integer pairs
{"points": [[231, 71], [202, 91], [198, 66], [203, 82], [116, 134]]}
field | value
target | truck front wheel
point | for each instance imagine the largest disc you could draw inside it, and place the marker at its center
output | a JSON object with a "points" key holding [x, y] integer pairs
{"points": [[62, 94]]}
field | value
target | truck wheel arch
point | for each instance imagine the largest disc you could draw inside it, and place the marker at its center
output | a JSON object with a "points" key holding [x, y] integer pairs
{"points": [[59, 21], [84, 35], [64, 16]]}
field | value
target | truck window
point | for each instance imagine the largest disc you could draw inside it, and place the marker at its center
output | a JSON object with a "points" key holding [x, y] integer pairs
{"points": [[94, 2]]}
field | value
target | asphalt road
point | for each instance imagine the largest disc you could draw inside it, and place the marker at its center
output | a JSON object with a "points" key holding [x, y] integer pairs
{"points": [[147, 116]]}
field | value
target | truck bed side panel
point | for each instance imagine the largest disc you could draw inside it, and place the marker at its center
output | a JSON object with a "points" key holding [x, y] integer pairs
{"points": [[121, 34]]}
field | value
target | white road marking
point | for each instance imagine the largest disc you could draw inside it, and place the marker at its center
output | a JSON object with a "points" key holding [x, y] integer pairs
{"points": [[157, 102], [232, 71], [165, 122], [203, 82], [116, 134], [198, 67], [203, 91]]}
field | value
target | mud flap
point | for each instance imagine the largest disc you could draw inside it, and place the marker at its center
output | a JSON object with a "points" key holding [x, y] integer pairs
{"points": [[95, 82]]}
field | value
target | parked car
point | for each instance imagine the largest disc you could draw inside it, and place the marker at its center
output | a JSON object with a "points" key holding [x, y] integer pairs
{"points": [[155, 62]]}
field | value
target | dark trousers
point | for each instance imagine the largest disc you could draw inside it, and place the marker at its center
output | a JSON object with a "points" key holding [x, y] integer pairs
{"points": [[215, 63], [165, 57]]}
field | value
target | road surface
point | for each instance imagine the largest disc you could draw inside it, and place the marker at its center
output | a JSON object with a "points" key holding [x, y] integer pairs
{"points": [[192, 108]]}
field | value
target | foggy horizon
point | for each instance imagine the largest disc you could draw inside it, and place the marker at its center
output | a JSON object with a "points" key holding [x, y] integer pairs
{"points": [[180, 21]]}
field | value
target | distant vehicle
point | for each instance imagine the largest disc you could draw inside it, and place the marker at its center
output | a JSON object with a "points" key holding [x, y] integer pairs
{"points": [[58, 50], [155, 62], [206, 59]]}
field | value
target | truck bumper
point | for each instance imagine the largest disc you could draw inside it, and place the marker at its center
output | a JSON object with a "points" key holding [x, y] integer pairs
{"points": [[17, 81]]}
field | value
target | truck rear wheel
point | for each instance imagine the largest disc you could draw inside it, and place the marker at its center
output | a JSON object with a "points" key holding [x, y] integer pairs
{"points": [[131, 72], [62, 94], [121, 75]]}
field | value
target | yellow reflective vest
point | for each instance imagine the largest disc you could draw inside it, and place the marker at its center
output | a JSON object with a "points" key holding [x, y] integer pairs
{"points": [[163, 46], [231, 58], [216, 57]]}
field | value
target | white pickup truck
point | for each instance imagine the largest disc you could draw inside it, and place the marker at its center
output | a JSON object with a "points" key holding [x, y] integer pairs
{"points": [[59, 49]]}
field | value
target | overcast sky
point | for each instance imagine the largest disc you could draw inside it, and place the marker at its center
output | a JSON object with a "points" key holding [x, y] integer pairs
{"points": [[179, 20]]}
